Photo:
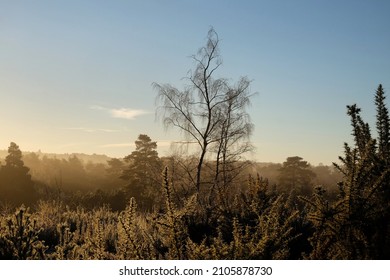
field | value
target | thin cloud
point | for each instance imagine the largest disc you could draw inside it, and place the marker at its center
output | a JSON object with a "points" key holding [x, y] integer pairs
{"points": [[126, 113], [122, 113], [164, 143]]}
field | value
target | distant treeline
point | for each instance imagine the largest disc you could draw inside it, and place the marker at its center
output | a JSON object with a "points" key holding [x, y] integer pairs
{"points": [[91, 183]]}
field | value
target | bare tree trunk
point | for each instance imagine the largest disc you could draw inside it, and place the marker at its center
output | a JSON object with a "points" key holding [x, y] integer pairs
{"points": [[208, 111], [199, 169]]}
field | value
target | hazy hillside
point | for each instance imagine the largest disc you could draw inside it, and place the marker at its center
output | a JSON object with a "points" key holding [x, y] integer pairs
{"points": [[85, 158]]}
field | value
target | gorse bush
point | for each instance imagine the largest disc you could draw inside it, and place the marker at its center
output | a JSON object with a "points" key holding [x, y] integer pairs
{"points": [[19, 236], [357, 224], [261, 230]]}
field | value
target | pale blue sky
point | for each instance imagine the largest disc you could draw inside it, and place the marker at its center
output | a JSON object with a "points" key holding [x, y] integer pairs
{"points": [[75, 76]]}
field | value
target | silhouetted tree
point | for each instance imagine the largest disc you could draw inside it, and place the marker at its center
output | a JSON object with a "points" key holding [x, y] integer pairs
{"points": [[234, 131], [16, 185], [208, 111], [295, 174], [143, 183]]}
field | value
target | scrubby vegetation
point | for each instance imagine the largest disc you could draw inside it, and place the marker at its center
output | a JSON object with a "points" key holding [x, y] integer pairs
{"points": [[259, 224]]}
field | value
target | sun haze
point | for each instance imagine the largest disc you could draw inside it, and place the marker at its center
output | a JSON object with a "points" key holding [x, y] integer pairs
{"points": [[76, 76]]}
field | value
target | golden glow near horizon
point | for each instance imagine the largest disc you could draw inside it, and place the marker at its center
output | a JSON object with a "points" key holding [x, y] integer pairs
{"points": [[76, 79]]}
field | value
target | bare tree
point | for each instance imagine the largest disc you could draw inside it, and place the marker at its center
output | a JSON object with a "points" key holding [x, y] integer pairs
{"points": [[234, 131], [208, 111]]}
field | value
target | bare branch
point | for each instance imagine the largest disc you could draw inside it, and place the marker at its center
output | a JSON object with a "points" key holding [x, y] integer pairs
{"points": [[209, 111]]}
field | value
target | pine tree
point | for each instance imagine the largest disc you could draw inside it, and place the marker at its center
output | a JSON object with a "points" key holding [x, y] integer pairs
{"points": [[16, 185], [14, 158], [140, 174], [296, 175]]}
